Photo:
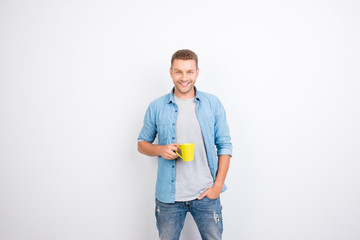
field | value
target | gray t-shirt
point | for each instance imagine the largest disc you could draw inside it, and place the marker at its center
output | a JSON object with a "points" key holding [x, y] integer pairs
{"points": [[192, 178]]}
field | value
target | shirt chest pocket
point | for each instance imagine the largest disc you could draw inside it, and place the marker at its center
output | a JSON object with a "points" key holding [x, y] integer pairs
{"points": [[211, 126], [164, 133], [210, 123]]}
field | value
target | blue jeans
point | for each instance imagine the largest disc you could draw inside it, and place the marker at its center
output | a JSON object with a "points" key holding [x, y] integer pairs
{"points": [[170, 218]]}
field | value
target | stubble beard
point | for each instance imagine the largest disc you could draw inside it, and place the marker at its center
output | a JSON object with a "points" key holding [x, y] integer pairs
{"points": [[184, 91]]}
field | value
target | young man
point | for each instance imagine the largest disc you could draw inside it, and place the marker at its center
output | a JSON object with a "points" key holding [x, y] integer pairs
{"points": [[186, 115]]}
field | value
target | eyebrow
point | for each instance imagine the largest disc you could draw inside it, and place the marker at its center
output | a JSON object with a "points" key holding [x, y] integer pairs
{"points": [[185, 70]]}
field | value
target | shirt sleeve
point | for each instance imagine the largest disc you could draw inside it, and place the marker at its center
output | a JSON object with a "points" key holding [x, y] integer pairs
{"points": [[222, 133], [149, 129]]}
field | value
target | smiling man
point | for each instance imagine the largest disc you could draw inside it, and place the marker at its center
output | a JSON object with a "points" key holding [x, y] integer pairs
{"points": [[187, 115]]}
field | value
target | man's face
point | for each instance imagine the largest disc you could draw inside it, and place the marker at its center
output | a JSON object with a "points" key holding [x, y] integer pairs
{"points": [[184, 74]]}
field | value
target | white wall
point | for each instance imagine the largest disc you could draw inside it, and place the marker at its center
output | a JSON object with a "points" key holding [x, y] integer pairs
{"points": [[76, 78]]}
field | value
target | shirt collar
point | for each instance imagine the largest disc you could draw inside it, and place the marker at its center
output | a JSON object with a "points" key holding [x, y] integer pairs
{"points": [[171, 99]]}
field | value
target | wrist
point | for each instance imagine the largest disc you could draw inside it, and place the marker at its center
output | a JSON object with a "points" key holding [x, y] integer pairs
{"points": [[160, 151], [218, 185]]}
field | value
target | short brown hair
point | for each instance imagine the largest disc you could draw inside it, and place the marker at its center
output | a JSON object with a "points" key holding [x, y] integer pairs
{"points": [[184, 54]]}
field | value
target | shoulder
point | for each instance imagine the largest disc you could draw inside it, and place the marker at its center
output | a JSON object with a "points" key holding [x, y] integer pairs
{"points": [[160, 101], [208, 97]]}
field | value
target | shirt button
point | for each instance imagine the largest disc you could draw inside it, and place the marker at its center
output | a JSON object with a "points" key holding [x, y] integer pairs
{"points": [[173, 166], [172, 180], [175, 110], [173, 138]]}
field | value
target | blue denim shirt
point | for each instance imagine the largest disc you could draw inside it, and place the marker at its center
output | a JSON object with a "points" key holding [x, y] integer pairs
{"points": [[160, 119]]}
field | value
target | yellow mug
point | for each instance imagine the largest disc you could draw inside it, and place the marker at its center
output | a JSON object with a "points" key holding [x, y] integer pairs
{"points": [[187, 151]]}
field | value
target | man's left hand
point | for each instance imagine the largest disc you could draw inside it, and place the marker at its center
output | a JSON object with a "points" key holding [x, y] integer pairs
{"points": [[212, 193]]}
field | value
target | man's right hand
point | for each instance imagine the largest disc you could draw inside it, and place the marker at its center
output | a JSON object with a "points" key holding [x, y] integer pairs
{"points": [[168, 151]]}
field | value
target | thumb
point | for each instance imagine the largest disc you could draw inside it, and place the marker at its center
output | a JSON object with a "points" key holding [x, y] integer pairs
{"points": [[174, 146], [202, 195]]}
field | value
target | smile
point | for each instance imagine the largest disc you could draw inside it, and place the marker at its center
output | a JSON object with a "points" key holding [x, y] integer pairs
{"points": [[184, 84]]}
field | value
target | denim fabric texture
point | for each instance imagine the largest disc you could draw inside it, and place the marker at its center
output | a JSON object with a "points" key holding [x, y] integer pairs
{"points": [[206, 212], [160, 120]]}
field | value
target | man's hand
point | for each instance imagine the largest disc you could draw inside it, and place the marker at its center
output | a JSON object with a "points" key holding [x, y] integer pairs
{"points": [[167, 151], [215, 190], [212, 193]]}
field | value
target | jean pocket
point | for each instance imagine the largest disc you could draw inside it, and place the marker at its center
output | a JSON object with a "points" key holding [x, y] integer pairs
{"points": [[211, 199]]}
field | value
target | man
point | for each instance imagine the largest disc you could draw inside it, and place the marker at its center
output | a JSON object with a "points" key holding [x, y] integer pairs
{"points": [[186, 115]]}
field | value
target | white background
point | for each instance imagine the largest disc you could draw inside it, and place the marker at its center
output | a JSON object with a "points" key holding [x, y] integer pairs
{"points": [[77, 76]]}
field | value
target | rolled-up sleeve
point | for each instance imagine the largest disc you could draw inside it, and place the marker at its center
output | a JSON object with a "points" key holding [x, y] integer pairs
{"points": [[149, 130], [222, 132]]}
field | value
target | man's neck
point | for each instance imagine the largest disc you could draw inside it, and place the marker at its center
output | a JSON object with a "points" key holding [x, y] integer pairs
{"points": [[185, 96]]}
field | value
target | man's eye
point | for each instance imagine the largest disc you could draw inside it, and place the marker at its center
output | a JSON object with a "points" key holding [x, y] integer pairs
{"points": [[190, 72]]}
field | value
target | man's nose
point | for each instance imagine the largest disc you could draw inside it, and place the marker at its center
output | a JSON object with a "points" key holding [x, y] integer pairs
{"points": [[185, 77]]}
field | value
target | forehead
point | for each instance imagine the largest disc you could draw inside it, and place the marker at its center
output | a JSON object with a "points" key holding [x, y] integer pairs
{"points": [[184, 64]]}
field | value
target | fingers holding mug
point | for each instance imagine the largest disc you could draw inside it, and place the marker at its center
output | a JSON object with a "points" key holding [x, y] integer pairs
{"points": [[168, 151]]}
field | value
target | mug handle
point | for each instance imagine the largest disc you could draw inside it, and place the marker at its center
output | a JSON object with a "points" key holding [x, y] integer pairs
{"points": [[178, 153]]}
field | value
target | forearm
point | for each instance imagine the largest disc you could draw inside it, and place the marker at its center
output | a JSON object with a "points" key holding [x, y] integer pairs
{"points": [[223, 167], [149, 149]]}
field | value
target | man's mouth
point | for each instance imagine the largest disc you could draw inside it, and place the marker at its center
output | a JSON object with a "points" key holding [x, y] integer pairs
{"points": [[184, 84]]}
